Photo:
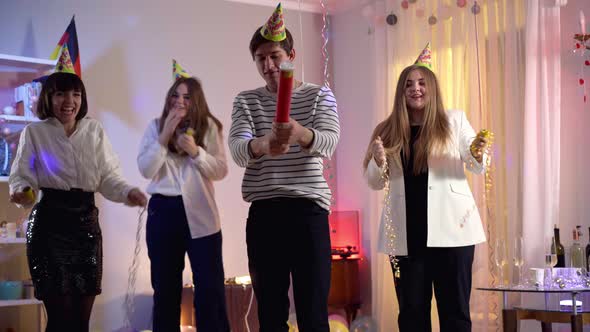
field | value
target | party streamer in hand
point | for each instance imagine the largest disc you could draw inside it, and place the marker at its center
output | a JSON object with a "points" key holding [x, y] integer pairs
{"points": [[129, 304]]}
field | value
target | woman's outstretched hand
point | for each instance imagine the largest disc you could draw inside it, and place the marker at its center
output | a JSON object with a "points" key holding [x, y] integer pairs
{"points": [[136, 198], [378, 151]]}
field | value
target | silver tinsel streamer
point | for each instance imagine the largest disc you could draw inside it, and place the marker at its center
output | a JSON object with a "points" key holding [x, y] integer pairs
{"points": [[302, 45], [129, 303], [325, 36], [389, 228], [326, 56]]}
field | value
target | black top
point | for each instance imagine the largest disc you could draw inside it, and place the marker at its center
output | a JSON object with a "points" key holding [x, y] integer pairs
{"points": [[416, 188]]}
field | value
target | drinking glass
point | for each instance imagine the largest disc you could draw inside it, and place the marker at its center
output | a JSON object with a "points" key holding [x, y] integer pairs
{"points": [[550, 261], [518, 258], [500, 258]]}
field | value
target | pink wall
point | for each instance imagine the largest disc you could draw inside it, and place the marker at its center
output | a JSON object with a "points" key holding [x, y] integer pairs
{"points": [[575, 119]]}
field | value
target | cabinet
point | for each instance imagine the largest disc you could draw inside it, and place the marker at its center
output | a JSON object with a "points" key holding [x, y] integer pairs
{"points": [[16, 314], [345, 288]]}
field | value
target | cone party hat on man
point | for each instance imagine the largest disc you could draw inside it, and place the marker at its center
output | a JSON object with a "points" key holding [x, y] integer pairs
{"points": [[274, 28]]}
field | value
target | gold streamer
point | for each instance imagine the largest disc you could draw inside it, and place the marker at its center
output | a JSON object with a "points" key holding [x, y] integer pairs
{"points": [[389, 228]]}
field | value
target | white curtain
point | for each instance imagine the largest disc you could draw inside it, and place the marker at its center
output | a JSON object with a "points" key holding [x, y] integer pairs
{"points": [[480, 62], [541, 183]]}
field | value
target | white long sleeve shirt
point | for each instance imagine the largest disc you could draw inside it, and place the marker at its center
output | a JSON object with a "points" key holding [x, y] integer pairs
{"points": [[47, 157], [180, 175]]}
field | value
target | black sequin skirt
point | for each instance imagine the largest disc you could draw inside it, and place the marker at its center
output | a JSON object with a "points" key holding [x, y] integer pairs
{"points": [[64, 244]]}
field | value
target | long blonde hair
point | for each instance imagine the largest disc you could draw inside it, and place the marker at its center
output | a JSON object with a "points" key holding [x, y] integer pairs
{"points": [[435, 132]]}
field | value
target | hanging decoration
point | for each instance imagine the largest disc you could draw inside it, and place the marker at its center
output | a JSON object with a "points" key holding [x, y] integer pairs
{"points": [[405, 4], [325, 37], [461, 3], [475, 9], [391, 19], [329, 164], [582, 47], [302, 44], [432, 20]]}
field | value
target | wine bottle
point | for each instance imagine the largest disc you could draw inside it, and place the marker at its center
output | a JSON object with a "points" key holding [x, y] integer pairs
{"points": [[578, 255], [559, 249]]}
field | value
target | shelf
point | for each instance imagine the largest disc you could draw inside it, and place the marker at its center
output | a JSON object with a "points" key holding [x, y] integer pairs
{"points": [[18, 118], [22, 64], [13, 303], [17, 240]]}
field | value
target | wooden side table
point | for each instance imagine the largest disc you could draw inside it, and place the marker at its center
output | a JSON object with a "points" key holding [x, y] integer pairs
{"points": [[238, 298], [345, 289]]}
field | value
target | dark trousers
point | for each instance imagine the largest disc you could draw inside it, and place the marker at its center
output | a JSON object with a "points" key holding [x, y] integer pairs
{"points": [[168, 240], [449, 270], [289, 237]]}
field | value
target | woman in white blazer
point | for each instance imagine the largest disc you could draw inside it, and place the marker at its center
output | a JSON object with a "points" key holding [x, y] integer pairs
{"points": [[421, 150]]}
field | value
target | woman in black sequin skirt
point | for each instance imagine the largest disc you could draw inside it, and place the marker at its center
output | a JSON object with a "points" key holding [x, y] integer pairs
{"points": [[67, 157]]}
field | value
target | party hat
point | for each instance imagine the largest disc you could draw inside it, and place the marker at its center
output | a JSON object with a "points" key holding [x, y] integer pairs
{"points": [[178, 71], [64, 64], [274, 28], [425, 58]]}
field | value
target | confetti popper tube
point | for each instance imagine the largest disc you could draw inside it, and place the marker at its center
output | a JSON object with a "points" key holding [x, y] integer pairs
{"points": [[284, 93], [30, 193]]}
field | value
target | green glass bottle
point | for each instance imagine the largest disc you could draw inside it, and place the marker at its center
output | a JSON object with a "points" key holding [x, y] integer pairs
{"points": [[558, 249]]}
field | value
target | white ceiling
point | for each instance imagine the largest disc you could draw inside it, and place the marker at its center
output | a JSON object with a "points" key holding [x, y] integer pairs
{"points": [[308, 5]]}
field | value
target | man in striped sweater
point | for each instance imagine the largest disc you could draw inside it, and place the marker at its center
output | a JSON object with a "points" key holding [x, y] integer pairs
{"points": [[287, 231]]}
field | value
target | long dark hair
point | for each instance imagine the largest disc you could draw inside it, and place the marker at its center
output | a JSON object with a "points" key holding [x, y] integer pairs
{"points": [[60, 82], [198, 113]]}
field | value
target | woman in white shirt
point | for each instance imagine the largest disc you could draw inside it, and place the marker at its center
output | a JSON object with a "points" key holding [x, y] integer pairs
{"points": [[182, 153], [67, 157], [421, 150]]}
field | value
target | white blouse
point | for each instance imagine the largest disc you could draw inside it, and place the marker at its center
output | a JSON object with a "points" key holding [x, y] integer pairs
{"points": [[47, 157], [180, 175]]}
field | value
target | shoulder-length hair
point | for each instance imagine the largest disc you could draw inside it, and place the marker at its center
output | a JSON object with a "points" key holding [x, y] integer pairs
{"points": [[435, 132], [60, 82], [198, 113]]}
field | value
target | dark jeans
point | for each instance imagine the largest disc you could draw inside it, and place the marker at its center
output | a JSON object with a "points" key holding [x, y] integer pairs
{"points": [[168, 240], [449, 269], [289, 236]]}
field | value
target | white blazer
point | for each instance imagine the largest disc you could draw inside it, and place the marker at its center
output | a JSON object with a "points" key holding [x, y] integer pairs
{"points": [[453, 217]]}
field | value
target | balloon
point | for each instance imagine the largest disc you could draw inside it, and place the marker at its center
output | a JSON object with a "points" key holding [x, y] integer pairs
{"points": [[338, 318], [337, 326], [475, 9], [363, 324], [391, 19], [432, 20]]}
